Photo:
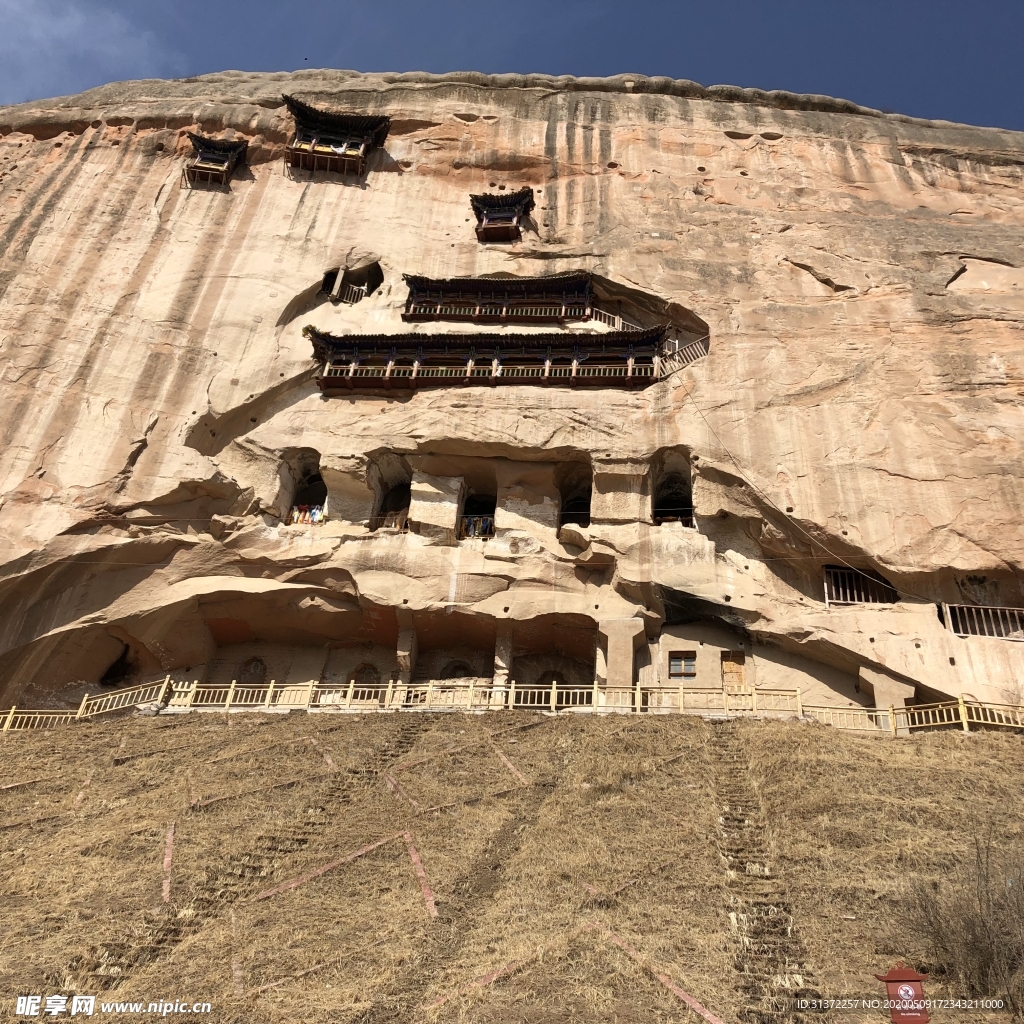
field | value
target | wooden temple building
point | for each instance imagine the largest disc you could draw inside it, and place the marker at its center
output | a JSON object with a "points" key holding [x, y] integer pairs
{"points": [[214, 160], [325, 141], [498, 217], [557, 298], [619, 359]]}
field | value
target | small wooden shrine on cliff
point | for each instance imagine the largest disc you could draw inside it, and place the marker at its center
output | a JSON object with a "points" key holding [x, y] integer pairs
{"points": [[498, 217], [325, 141], [214, 161]]}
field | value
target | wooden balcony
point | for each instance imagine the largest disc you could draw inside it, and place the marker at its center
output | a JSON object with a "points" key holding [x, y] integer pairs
{"points": [[336, 377], [340, 156]]}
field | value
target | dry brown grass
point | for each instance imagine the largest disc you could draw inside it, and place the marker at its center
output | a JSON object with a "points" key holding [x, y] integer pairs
{"points": [[857, 823], [605, 829]]}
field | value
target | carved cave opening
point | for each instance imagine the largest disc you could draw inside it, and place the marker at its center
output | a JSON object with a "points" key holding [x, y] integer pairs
{"points": [[477, 518], [394, 509]]}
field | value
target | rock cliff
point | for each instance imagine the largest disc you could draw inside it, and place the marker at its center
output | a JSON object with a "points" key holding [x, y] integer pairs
{"points": [[858, 274]]}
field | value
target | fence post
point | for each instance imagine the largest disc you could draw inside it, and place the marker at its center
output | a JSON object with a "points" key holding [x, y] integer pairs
{"points": [[799, 704], [192, 693], [231, 694], [270, 695], [511, 694], [892, 720], [963, 713], [310, 688], [163, 691], [554, 694], [430, 693], [753, 700], [351, 690], [725, 698], [637, 697], [469, 699], [10, 718], [81, 708], [388, 695], [682, 695]]}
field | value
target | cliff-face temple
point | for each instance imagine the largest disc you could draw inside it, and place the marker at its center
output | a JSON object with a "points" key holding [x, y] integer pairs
{"points": [[570, 393]]}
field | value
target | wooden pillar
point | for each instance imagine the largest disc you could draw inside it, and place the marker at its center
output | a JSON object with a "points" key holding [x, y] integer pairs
{"points": [[430, 693], [963, 713], [511, 695], [163, 690], [892, 720], [554, 694], [389, 694], [231, 694], [351, 691], [81, 708], [9, 719], [269, 702]]}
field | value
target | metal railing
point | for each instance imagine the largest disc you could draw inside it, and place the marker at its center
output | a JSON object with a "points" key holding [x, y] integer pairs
{"points": [[556, 698], [984, 620], [856, 586]]}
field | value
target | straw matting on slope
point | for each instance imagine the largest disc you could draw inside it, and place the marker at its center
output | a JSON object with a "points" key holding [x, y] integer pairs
{"points": [[544, 829]]}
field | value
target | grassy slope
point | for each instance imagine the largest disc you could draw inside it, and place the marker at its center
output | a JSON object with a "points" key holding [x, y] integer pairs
{"points": [[848, 820]]}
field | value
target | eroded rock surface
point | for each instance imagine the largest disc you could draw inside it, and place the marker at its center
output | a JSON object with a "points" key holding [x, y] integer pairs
{"points": [[859, 275]]}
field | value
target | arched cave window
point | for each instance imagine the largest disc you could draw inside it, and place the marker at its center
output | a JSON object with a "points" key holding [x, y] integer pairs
{"points": [[355, 284], [312, 491], [367, 675], [394, 509], [252, 672], [576, 510], [477, 519], [457, 670], [673, 501]]}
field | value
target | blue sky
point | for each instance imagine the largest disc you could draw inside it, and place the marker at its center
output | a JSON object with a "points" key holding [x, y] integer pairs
{"points": [[932, 58]]}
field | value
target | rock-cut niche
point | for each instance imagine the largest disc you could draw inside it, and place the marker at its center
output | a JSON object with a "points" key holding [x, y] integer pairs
{"points": [[672, 490]]}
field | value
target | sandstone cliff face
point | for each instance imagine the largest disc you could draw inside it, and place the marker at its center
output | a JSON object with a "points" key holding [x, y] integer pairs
{"points": [[859, 275]]}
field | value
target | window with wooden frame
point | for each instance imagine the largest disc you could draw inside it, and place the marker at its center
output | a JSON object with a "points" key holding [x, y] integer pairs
{"points": [[682, 665]]}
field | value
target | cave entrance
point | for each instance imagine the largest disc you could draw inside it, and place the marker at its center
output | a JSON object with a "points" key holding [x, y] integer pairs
{"points": [[309, 500], [120, 670], [394, 509], [477, 519], [673, 501], [352, 284]]}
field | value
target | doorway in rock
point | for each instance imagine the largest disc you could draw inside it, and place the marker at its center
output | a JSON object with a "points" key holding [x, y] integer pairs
{"points": [[394, 509], [477, 519]]}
